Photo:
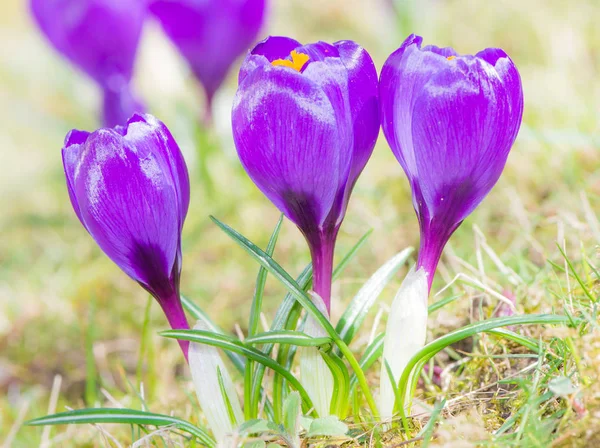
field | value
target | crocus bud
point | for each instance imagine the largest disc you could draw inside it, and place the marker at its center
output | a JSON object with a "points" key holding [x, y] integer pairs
{"points": [[211, 379], [404, 336], [101, 38], [305, 120], [129, 187], [210, 34], [450, 121]]}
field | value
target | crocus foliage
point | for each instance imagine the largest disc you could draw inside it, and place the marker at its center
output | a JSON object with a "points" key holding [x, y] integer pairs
{"points": [[450, 121], [101, 38], [210, 34], [130, 189], [305, 120]]}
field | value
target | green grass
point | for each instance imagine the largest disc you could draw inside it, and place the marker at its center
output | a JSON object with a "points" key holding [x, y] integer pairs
{"points": [[53, 277]]}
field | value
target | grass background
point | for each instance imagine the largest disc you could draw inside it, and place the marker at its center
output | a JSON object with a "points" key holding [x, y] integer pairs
{"points": [[69, 316]]}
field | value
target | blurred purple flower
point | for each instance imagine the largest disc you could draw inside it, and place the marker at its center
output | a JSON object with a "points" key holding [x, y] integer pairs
{"points": [[305, 121], [101, 38], [210, 34], [450, 121], [129, 187]]}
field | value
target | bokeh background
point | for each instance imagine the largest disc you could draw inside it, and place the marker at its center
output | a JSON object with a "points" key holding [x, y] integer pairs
{"points": [[69, 317]]}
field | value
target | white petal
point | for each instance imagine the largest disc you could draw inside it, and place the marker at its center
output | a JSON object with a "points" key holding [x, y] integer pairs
{"points": [[405, 334], [204, 362], [316, 376]]}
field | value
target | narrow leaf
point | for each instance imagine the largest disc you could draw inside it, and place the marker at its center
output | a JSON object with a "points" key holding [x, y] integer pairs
{"points": [[362, 302], [230, 344], [277, 271], [327, 427], [125, 416], [288, 337]]}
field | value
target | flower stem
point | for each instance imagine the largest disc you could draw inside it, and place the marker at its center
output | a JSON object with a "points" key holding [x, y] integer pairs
{"points": [[119, 105], [430, 251], [176, 316], [321, 252]]}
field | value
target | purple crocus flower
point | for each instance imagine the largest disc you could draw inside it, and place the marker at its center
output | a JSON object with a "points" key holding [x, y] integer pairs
{"points": [[129, 187], [210, 34], [101, 38], [450, 121], [305, 121]]}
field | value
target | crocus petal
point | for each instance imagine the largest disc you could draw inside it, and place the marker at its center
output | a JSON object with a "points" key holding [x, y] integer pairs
{"points": [[447, 52], [287, 137], [275, 47], [508, 73], [99, 36], [153, 133], [450, 121], [295, 118], [75, 141], [464, 130], [363, 92], [265, 52], [210, 34], [403, 75], [130, 190], [405, 335]]}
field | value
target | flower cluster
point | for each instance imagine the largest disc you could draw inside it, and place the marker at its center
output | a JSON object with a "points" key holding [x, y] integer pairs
{"points": [[101, 38], [305, 121]]}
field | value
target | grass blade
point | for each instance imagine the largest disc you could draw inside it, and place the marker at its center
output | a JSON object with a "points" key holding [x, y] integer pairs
{"points": [[288, 337], [130, 416], [277, 271], [261, 279], [362, 302], [350, 255], [231, 344], [341, 384], [372, 353], [238, 361], [251, 406], [409, 377]]}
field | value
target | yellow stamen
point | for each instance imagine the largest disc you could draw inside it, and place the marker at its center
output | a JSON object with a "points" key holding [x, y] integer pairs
{"points": [[451, 57], [297, 62]]}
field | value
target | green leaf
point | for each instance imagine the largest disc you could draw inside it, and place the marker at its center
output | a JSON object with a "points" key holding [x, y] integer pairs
{"points": [[526, 342], [330, 426], [226, 399], [362, 302], [229, 343], [286, 312], [238, 361], [577, 277], [442, 303], [301, 296], [562, 386], [371, 354], [350, 255], [427, 431], [261, 279], [341, 384], [126, 416], [258, 426], [255, 444], [411, 372], [287, 337], [291, 414], [251, 407]]}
